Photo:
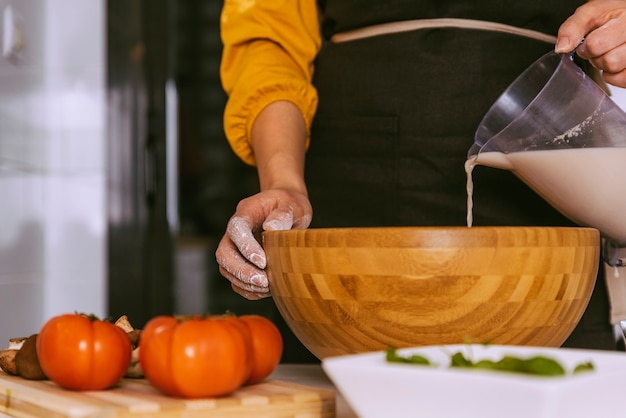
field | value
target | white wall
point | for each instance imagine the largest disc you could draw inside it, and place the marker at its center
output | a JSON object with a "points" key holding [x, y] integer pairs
{"points": [[52, 163]]}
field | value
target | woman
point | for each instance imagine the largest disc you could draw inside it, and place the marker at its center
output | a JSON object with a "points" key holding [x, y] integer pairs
{"points": [[381, 103]]}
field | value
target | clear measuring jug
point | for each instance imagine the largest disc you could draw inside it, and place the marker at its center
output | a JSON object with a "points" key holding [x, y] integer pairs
{"points": [[561, 134]]}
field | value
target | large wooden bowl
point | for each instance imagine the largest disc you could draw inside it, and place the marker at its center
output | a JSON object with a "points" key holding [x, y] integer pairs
{"points": [[351, 290]]}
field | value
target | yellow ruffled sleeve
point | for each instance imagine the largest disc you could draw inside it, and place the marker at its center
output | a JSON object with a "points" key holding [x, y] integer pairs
{"points": [[269, 48]]}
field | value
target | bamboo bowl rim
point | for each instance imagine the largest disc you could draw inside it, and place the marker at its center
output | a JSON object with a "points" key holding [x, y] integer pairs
{"points": [[431, 236]]}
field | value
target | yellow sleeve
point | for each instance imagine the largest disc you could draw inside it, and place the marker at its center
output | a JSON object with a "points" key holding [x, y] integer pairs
{"points": [[269, 48]]}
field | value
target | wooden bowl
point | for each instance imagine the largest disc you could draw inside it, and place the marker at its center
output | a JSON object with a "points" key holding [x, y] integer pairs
{"points": [[351, 290]]}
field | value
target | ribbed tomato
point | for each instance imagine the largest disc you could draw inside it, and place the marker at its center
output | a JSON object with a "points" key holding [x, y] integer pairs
{"points": [[267, 346], [194, 357], [81, 352]]}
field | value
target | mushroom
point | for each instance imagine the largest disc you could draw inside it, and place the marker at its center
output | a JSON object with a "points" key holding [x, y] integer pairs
{"points": [[7, 357], [134, 368], [27, 362]]}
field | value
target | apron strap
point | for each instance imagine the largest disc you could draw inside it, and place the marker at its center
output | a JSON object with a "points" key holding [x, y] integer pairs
{"points": [[409, 25]]}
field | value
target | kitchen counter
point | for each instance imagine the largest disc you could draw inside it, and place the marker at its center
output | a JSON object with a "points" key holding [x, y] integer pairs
{"points": [[313, 375]]}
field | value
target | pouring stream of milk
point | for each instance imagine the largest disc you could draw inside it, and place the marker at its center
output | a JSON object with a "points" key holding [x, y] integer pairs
{"points": [[491, 159]]}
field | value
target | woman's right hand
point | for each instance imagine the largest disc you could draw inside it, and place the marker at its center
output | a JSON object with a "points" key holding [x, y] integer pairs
{"points": [[240, 255], [602, 25]]}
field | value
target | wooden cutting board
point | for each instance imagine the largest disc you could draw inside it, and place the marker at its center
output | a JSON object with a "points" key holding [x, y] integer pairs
{"points": [[137, 398]]}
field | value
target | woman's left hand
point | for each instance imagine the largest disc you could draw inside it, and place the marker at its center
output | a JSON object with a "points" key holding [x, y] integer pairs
{"points": [[602, 26]]}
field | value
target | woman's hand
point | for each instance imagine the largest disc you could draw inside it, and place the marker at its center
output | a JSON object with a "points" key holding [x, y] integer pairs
{"points": [[240, 256], [278, 140], [602, 25]]}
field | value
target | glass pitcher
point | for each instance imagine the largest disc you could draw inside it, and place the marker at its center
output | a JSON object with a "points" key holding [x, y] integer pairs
{"points": [[561, 134]]}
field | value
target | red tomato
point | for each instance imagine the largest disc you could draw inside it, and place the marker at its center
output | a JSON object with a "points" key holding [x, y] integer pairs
{"points": [[82, 352], [267, 346], [195, 357]]}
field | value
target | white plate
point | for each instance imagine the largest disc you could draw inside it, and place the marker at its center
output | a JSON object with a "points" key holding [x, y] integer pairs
{"points": [[376, 388]]}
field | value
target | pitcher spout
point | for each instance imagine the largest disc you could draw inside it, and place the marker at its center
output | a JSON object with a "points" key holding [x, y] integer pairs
{"points": [[473, 151]]}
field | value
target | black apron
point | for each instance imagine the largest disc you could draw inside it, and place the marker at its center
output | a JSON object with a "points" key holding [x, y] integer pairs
{"points": [[397, 116]]}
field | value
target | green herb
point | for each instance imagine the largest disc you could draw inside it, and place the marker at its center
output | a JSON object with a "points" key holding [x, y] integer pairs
{"points": [[459, 360], [394, 357], [540, 366], [584, 367], [536, 366]]}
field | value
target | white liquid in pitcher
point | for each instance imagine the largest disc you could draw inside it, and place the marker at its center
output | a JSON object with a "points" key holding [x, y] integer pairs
{"points": [[584, 184]]}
